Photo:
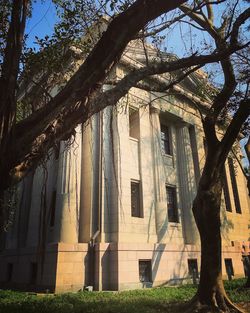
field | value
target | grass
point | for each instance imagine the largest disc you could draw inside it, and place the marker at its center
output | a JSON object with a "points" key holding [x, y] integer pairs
{"points": [[164, 299]]}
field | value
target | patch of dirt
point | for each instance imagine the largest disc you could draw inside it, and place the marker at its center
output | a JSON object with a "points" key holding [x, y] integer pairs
{"points": [[181, 308], [245, 306]]}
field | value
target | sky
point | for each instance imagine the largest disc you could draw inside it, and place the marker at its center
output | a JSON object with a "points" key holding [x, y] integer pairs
{"points": [[42, 21], [44, 17]]}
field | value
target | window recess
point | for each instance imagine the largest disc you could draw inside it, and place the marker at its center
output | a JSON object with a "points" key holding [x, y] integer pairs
{"points": [[172, 204], [136, 199]]}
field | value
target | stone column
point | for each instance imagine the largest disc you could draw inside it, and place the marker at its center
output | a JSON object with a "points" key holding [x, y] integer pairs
{"points": [[68, 188], [27, 185], [161, 216], [89, 211], [85, 219], [187, 183]]}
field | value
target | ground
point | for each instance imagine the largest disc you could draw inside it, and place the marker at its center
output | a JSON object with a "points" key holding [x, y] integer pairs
{"points": [[156, 300]]}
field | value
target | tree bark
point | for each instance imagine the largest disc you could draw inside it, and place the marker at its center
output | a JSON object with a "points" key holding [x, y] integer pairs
{"points": [[211, 295], [206, 210], [8, 85], [247, 149]]}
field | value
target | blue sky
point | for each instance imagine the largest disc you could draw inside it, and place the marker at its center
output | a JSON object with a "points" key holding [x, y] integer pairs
{"points": [[42, 21]]}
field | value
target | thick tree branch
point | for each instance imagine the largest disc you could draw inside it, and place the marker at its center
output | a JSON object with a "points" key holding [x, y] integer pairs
{"points": [[247, 149], [74, 88], [105, 54], [239, 163], [35, 130], [230, 21], [199, 20], [241, 19], [159, 86], [157, 30], [29, 151], [234, 127], [81, 97], [210, 13], [229, 86], [8, 78]]}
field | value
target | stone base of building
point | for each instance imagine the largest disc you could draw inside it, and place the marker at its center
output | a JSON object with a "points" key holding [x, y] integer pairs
{"points": [[107, 266]]}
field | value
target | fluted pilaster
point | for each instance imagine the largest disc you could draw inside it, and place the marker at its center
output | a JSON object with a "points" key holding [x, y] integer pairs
{"points": [[68, 193], [187, 183], [161, 217]]}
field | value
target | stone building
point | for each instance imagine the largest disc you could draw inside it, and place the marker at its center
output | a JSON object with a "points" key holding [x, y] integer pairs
{"points": [[112, 208]]}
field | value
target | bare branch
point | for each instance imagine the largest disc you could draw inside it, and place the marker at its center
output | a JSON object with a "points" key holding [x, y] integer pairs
{"points": [[231, 17], [111, 96], [210, 12], [193, 25], [239, 163], [241, 19], [202, 21], [163, 87], [235, 126], [42, 88], [165, 25]]}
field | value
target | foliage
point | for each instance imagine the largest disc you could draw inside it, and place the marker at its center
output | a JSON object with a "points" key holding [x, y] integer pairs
{"points": [[4, 16], [163, 299]]}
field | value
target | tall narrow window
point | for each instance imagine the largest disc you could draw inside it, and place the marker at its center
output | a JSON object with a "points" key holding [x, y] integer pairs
{"points": [[9, 272], [229, 268], [234, 185], [193, 268], [33, 273], [226, 191], [145, 271], [195, 158], [165, 140], [172, 204], [134, 128], [53, 209], [136, 208]]}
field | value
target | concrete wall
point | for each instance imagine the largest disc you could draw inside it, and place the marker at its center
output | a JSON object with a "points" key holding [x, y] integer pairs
{"points": [[21, 276]]}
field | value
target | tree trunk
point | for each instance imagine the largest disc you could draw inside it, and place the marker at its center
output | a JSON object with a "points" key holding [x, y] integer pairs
{"points": [[211, 295], [247, 149], [2, 211], [247, 284], [246, 263]]}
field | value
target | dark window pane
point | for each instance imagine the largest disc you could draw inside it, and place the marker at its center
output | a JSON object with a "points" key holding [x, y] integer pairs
{"points": [[9, 271], [33, 273], [145, 271], [226, 191], [171, 204], [134, 123], [193, 268], [53, 209], [135, 199], [195, 158], [165, 140], [234, 185], [229, 268]]}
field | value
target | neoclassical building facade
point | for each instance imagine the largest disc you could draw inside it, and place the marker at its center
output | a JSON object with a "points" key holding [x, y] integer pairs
{"points": [[111, 208]]}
